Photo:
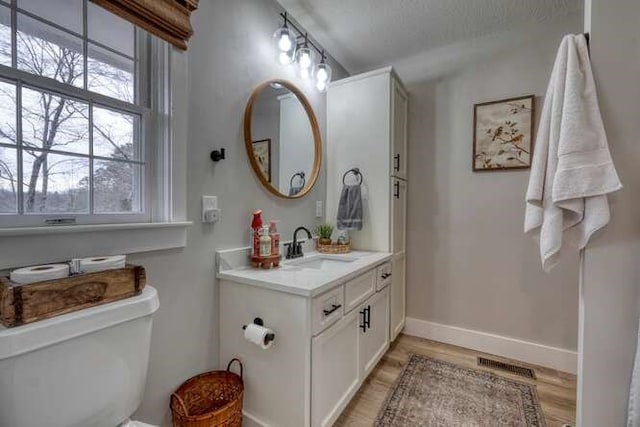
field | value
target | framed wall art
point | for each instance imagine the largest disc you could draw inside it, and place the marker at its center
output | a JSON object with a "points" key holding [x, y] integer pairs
{"points": [[503, 134], [262, 153]]}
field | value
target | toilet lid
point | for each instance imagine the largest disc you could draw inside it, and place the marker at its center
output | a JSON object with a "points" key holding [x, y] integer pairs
{"points": [[139, 424], [36, 335]]}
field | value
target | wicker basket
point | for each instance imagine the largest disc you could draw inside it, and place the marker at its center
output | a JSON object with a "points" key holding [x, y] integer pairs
{"points": [[334, 248], [212, 399]]}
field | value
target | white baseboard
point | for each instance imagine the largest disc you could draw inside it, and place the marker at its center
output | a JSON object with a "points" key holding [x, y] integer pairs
{"points": [[529, 352]]}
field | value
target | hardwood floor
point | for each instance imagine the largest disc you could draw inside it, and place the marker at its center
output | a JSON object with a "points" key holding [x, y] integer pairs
{"points": [[556, 390]]}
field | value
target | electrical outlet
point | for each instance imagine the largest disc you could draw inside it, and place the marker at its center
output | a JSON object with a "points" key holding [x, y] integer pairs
{"points": [[318, 208]]}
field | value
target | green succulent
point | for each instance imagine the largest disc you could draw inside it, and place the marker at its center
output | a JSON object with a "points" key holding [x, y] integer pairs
{"points": [[324, 231]]}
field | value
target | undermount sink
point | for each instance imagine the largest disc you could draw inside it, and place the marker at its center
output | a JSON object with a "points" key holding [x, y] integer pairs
{"points": [[322, 262]]}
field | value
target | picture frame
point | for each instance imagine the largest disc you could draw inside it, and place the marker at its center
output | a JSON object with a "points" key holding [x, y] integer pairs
{"points": [[262, 154], [503, 134]]}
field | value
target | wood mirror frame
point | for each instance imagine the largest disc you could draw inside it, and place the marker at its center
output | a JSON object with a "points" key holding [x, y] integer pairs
{"points": [[317, 141]]}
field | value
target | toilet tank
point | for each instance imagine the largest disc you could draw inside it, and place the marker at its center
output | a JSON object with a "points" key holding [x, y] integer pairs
{"points": [[82, 369]]}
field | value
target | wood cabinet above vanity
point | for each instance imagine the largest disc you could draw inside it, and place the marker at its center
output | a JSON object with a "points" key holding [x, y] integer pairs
{"points": [[331, 326]]}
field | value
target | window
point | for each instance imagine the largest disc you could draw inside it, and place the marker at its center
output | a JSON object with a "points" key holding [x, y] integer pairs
{"points": [[75, 99]]}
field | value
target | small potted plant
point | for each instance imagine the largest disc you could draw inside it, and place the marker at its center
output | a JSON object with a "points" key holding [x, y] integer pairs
{"points": [[324, 232]]}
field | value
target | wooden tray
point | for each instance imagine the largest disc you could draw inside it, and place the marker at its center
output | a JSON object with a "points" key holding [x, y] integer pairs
{"points": [[22, 304], [266, 262], [334, 248]]}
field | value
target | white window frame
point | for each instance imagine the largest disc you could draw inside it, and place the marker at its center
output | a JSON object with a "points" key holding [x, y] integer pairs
{"points": [[152, 105], [167, 133]]}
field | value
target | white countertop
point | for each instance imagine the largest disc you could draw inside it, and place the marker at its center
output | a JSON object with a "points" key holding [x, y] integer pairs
{"points": [[300, 280]]}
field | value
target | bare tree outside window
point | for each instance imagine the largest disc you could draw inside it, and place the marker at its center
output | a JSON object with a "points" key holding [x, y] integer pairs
{"points": [[71, 150]]}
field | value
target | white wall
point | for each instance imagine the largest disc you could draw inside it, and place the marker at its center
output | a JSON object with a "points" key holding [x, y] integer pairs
{"points": [[265, 124], [469, 263], [296, 143], [229, 55], [609, 297]]}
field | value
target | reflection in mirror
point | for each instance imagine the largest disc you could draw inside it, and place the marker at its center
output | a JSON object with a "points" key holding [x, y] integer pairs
{"points": [[282, 139]]}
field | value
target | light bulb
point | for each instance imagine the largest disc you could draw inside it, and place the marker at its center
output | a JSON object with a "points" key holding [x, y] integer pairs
{"points": [[305, 61], [321, 86], [285, 59], [322, 75], [284, 44], [304, 57]]}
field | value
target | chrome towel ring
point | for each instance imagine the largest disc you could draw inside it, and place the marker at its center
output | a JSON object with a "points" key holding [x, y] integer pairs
{"points": [[302, 177], [356, 172]]}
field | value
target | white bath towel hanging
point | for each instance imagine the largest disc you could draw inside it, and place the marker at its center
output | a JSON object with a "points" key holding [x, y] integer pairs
{"points": [[572, 170]]}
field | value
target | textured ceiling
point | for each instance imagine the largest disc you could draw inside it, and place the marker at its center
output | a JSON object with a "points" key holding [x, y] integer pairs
{"points": [[363, 34]]}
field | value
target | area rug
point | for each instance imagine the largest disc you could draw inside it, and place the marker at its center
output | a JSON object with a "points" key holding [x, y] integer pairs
{"points": [[433, 393]]}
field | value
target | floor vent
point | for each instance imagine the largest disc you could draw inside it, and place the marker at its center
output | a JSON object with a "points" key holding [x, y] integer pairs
{"points": [[514, 369]]}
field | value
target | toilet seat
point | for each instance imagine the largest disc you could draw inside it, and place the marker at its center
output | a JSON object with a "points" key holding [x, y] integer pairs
{"points": [[131, 423]]}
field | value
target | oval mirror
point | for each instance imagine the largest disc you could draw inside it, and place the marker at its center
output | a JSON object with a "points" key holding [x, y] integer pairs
{"points": [[282, 139]]}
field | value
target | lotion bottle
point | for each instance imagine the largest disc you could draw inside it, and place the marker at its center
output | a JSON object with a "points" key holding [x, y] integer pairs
{"points": [[265, 242], [275, 238]]}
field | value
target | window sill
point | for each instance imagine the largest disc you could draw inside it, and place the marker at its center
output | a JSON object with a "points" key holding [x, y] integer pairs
{"points": [[63, 229], [35, 245]]}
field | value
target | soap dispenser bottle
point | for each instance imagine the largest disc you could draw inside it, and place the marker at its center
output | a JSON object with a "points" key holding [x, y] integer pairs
{"points": [[275, 237], [265, 242]]}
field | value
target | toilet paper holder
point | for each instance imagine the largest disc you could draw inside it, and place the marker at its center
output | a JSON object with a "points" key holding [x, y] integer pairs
{"points": [[258, 321]]}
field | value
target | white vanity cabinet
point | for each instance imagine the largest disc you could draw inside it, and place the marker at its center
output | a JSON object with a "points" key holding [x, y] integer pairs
{"points": [[328, 337], [345, 354], [374, 331], [399, 124], [335, 372], [399, 249], [367, 129]]}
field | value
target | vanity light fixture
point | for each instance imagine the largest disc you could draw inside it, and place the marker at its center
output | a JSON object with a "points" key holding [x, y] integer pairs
{"points": [[291, 44], [285, 43]]}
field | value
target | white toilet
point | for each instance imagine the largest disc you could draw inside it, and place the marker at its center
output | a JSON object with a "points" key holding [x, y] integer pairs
{"points": [[82, 369]]}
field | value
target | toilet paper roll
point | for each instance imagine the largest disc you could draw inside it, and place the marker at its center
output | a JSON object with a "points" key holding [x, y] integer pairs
{"points": [[39, 273], [101, 263], [257, 334]]}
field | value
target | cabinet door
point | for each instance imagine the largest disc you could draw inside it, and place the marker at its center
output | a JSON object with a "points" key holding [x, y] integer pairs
{"points": [[335, 374], [399, 216], [374, 336], [398, 294], [399, 131], [359, 111]]}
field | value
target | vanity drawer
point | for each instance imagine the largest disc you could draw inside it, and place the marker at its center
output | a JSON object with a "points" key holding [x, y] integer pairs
{"points": [[358, 290], [326, 309], [383, 276]]}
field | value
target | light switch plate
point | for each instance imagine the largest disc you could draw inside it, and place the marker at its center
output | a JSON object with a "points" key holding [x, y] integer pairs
{"points": [[210, 211], [318, 208]]}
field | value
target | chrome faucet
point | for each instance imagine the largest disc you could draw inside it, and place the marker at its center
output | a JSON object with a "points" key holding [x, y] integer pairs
{"points": [[294, 250]]}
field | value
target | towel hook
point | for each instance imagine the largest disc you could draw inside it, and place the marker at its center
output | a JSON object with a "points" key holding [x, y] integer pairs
{"points": [[354, 171]]}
